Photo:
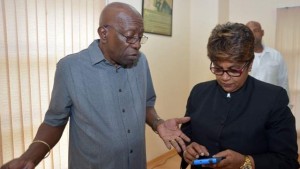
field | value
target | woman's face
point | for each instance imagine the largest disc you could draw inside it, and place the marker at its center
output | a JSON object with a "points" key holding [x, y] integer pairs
{"points": [[230, 83]]}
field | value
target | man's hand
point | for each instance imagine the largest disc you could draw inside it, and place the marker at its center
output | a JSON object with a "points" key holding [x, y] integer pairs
{"points": [[18, 164], [171, 134]]}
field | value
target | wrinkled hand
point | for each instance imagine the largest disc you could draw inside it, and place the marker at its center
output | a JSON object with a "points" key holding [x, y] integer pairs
{"points": [[171, 134], [18, 164], [232, 160], [194, 151]]}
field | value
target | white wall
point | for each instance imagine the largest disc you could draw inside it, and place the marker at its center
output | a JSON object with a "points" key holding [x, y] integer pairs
{"points": [[169, 62], [204, 16], [261, 11]]}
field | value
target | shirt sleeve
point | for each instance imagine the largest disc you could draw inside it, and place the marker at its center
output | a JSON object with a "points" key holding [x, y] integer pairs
{"points": [[283, 74], [60, 103]]}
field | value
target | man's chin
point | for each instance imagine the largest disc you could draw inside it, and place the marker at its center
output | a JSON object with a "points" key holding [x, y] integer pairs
{"points": [[131, 63]]}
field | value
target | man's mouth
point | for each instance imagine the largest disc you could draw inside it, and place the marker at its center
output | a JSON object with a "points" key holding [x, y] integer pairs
{"points": [[133, 56]]}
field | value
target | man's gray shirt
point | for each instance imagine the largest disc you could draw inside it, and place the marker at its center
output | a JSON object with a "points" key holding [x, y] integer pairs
{"points": [[106, 107]]}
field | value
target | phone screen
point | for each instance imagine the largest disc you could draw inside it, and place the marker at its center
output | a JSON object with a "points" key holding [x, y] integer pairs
{"points": [[212, 160]]}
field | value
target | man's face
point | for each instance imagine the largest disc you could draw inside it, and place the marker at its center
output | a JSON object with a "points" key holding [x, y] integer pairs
{"points": [[257, 32], [124, 40]]}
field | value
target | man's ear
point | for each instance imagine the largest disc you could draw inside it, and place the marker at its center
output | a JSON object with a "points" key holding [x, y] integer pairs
{"points": [[102, 32]]}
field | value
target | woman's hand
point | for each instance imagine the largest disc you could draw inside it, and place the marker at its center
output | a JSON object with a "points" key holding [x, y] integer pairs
{"points": [[232, 160], [194, 151]]}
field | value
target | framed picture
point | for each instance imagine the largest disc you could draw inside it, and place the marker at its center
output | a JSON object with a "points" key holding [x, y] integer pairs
{"points": [[157, 16]]}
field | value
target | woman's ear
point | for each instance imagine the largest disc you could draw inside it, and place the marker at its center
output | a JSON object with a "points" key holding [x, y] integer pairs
{"points": [[102, 32], [250, 67]]}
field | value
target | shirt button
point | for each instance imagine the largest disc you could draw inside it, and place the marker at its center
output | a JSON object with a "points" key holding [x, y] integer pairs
{"points": [[131, 151], [120, 90], [123, 110], [128, 131]]}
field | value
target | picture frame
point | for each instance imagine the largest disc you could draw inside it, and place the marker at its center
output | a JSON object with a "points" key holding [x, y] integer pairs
{"points": [[157, 15]]}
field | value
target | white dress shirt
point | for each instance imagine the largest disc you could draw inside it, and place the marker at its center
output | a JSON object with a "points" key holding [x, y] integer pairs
{"points": [[269, 66]]}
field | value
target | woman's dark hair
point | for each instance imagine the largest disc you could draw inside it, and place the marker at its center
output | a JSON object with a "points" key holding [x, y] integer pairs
{"points": [[232, 42]]}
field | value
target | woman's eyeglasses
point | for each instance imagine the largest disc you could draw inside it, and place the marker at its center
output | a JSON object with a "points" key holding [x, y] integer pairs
{"points": [[230, 72]]}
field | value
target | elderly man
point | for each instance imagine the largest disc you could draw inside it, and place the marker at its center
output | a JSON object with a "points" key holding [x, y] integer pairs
{"points": [[106, 94]]}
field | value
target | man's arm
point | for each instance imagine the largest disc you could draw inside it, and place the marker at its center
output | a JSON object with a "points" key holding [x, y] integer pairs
{"points": [[152, 118], [282, 77], [37, 150]]}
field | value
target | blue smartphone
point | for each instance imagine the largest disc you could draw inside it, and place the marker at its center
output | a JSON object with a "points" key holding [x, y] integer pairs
{"points": [[213, 160]]}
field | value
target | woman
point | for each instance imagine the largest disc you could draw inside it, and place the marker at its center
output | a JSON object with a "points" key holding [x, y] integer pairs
{"points": [[243, 120]]}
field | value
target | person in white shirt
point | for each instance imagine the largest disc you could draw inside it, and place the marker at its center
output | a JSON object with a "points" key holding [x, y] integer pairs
{"points": [[268, 65]]}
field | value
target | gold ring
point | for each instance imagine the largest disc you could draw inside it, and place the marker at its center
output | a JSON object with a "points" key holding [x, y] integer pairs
{"points": [[184, 152]]}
